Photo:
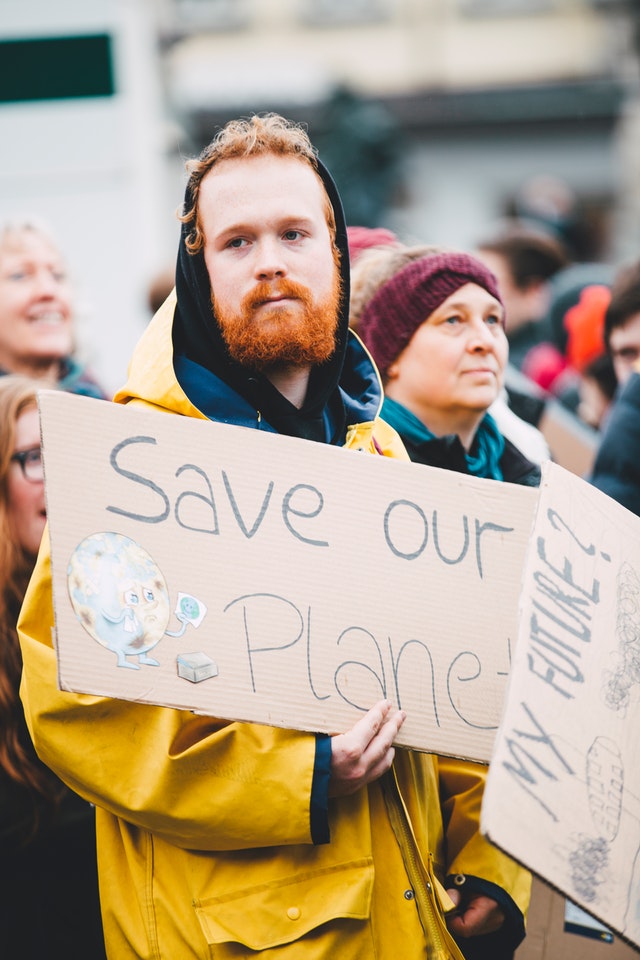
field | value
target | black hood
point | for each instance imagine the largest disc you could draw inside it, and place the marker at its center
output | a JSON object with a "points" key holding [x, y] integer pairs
{"points": [[197, 336]]}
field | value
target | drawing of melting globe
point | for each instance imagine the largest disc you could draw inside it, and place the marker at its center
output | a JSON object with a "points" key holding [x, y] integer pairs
{"points": [[119, 595]]}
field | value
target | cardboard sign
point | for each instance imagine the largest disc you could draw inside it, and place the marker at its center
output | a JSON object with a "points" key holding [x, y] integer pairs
{"points": [[264, 578], [572, 443], [563, 792]]}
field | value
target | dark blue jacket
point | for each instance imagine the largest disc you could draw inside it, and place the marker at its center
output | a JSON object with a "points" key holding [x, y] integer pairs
{"points": [[617, 467]]}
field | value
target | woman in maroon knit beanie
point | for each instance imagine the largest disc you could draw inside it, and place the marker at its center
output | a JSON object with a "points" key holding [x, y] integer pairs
{"points": [[436, 330]]}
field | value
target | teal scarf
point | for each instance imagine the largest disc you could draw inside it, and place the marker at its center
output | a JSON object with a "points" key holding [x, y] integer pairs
{"points": [[483, 460]]}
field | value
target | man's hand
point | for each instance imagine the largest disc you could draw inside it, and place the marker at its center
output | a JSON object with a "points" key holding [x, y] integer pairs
{"points": [[474, 915], [365, 752]]}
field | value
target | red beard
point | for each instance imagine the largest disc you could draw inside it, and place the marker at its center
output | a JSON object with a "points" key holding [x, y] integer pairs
{"points": [[299, 332]]}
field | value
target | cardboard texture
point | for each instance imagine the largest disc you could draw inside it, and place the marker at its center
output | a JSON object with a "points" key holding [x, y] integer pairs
{"points": [[265, 578], [572, 443], [564, 784], [550, 936]]}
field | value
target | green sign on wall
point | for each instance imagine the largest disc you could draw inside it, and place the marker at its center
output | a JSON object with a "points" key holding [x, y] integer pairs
{"points": [[56, 68]]}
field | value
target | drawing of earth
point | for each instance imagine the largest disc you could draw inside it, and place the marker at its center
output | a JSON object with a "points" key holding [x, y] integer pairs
{"points": [[119, 595]]}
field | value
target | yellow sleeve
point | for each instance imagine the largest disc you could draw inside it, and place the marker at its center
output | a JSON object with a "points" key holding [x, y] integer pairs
{"points": [[468, 852]]}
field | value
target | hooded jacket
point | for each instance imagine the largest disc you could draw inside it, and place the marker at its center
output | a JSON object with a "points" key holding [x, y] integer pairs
{"points": [[215, 838]]}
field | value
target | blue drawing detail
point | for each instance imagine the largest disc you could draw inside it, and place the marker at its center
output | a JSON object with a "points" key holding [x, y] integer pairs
{"points": [[188, 611]]}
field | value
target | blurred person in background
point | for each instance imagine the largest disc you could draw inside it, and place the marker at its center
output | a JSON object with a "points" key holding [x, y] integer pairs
{"points": [[616, 470], [552, 204], [49, 906], [588, 382], [597, 388], [37, 336], [622, 321], [524, 259], [580, 375], [551, 365]]}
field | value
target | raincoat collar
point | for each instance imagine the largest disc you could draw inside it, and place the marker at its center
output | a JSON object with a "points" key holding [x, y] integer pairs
{"points": [[358, 395]]}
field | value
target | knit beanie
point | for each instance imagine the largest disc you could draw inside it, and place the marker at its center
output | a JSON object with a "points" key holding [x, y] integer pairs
{"points": [[404, 302]]}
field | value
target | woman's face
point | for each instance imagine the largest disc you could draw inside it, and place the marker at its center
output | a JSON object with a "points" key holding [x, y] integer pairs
{"points": [[26, 497], [452, 369], [35, 305]]}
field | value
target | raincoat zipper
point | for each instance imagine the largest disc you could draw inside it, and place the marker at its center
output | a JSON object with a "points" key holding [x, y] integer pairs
{"points": [[440, 944]]}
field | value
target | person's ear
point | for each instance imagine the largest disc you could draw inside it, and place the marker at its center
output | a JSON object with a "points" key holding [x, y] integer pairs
{"points": [[392, 371]]}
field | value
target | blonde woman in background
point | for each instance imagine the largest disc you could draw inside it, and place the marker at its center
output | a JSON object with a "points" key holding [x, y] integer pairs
{"points": [[37, 337]]}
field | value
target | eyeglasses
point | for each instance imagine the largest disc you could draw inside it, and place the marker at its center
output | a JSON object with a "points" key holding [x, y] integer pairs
{"points": [[30, 463]]}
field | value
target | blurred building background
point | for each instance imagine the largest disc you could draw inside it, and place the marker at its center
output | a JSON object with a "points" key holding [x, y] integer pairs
{"points": [[437, 117]]}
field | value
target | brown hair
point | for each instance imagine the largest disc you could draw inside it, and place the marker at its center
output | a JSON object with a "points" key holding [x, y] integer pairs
{"points": [[255, 136], [532, 256], [17, 394], [625, 299]]}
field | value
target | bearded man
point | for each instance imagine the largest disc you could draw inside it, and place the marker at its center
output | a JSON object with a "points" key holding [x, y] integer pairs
{"points": [[225, 840]]}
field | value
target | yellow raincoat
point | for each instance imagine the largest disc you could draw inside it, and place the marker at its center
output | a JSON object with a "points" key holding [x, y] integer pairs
{"points": [[204, 839]]}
